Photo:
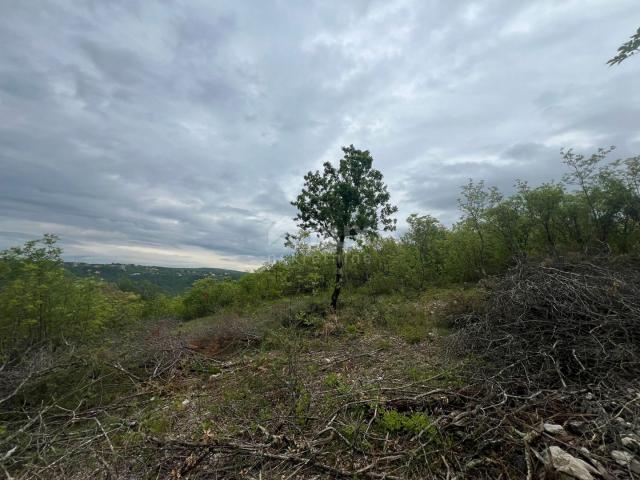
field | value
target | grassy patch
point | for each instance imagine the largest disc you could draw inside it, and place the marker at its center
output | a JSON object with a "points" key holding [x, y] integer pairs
{"points": [[337, 382], [450, 376], [393, 421], [156, 423]]}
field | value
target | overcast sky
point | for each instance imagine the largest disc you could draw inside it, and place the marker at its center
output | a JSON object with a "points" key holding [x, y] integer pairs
{"points": [[177, 133]]}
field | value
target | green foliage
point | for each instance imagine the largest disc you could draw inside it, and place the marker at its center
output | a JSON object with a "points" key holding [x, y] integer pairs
{"points": [[412, 333], [393, 421], [425, 249], [43, 305], [345, 202], [542, 208], [302, 404], [351, 329], [207, 296], [436, 376], [335, 381], [156, 423], [161, 306], [627, 49], [475, 203], [309, 268]]}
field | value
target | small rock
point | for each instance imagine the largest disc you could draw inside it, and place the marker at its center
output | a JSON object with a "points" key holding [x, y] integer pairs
{"points": [[589, 396], [627, 460], [576, 426], [562, 462], [186, 402], [622, 458], [213, 376], [553, 429], [632, 442], [623, 422]]}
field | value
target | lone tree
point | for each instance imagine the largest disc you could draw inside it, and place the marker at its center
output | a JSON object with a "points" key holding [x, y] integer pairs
{"points": [[344, 203]]}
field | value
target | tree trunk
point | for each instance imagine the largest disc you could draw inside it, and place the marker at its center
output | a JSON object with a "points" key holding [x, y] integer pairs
{"points": [[550, 240], [339, 265]]}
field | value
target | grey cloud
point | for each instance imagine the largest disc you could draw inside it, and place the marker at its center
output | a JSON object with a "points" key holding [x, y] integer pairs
{"points": [[187, 128]]}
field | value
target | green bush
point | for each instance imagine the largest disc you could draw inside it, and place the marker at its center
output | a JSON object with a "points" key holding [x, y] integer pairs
{"points": [[41, 304], [207, 296]]}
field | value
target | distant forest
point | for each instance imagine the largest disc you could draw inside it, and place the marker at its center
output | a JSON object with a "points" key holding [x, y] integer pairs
{"points": [[149, 280]]}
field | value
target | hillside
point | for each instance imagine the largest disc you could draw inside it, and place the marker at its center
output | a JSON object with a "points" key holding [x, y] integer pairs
{"points": [[169, 280]]}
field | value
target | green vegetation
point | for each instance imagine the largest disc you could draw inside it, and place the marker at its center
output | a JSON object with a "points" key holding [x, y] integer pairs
{"points": [[345, 203], [595, 210], [627, 49], [416, 422], [150, 281], [41, 304]]}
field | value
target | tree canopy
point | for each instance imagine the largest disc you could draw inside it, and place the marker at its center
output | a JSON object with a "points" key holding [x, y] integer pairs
{"points": [[347, 201]]}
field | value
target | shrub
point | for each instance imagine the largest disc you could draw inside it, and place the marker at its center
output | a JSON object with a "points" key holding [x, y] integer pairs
{"points": [[415, 422], [207, 296], [41, 304]]}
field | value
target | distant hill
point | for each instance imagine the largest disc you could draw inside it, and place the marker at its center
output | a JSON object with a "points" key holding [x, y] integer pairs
{"points": [[145, 279]]}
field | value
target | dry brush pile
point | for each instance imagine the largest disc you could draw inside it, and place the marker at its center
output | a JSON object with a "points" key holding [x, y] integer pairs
{"points": [[63, 410], [560, 324], [559, 347]]}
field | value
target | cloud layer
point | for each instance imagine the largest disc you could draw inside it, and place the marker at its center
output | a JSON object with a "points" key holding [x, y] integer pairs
{"points": [[176, 133]]}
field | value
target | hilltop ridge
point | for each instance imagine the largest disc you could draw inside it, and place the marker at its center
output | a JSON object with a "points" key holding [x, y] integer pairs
{"points": [[170, 280]]}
